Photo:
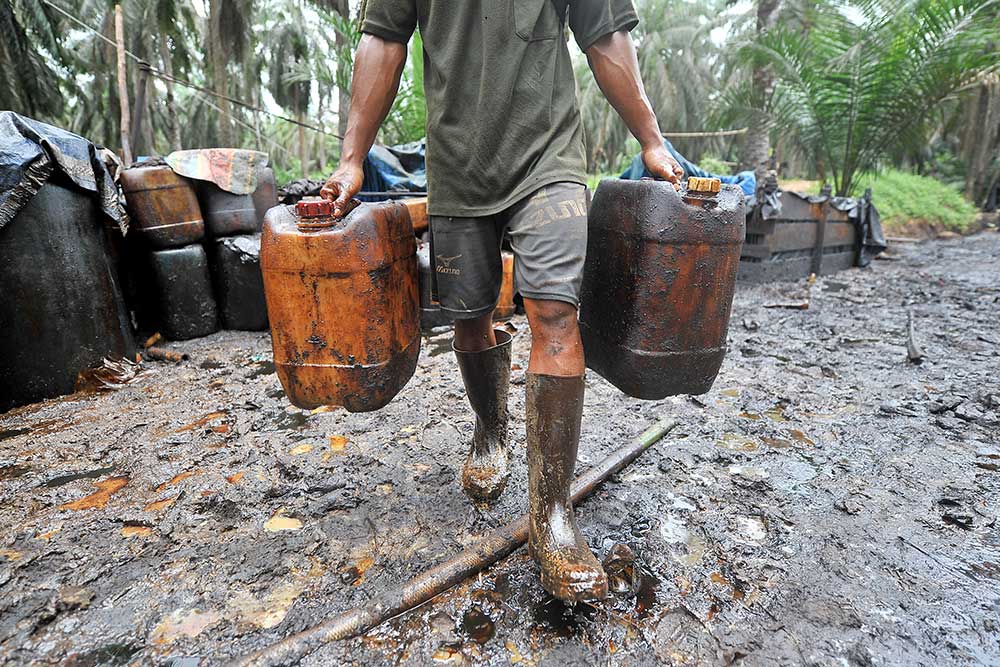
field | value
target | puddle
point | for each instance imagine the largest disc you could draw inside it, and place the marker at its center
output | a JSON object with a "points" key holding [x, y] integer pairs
{"points": [[262, 368], [291, 421], [478, 626], [13, 471], [561, 619], [13, 432], [72, 477], [645, 595], [110, 655]]}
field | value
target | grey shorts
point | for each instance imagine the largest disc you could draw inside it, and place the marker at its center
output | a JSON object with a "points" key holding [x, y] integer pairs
{"points": [[548, 233]]}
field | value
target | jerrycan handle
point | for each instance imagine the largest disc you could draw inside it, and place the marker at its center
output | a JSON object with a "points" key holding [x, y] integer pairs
{"points": [[314, 213]]}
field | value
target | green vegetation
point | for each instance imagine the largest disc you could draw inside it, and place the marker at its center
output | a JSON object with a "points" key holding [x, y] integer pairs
{"points": [[904, 199], [827, 89]]}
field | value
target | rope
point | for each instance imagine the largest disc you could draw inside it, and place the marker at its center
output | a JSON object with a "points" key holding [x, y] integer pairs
{"points": [[181, 82], [720, 133]]}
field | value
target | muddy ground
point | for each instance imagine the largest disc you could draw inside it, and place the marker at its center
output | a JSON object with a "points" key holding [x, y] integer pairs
{"points": [[827, 503]]}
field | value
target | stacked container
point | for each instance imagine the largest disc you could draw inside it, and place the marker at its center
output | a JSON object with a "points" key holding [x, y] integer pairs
{"points": [[170, 283], [233, 224]]}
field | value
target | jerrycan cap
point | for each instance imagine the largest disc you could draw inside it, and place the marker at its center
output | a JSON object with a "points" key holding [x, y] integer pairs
{"points": [[314, 213], [707, 186], [313, 207]]}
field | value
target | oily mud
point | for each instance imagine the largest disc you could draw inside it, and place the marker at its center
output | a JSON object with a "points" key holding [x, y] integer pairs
{"points": [[828, 502]]}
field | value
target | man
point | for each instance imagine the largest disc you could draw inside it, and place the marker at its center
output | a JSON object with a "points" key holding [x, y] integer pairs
{"points": [[505, 154]]}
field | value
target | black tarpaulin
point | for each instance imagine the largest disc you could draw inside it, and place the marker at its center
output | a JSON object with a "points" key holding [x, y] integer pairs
{"points": [[31, 152]]}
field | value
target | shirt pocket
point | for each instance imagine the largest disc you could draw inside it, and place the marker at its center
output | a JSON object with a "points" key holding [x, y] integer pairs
{"points": [[535, 20]]}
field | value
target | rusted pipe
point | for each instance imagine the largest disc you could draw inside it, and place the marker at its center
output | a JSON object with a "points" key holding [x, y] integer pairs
{"points": [[163, 354], [498, 544]]}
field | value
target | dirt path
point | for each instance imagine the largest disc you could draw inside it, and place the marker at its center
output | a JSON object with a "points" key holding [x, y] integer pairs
{"points": [[827, 503]]}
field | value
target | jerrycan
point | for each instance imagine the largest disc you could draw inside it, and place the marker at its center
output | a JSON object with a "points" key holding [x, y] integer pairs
{"points": [[163, 207], [658, 283], [343, 302]]}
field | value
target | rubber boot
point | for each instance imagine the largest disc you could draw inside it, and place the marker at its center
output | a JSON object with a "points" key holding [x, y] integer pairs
{"points": [[486, 375], [554, 407]]}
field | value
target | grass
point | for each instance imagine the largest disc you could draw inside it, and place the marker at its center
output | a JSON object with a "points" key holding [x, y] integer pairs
{"points": [[906, 201]]}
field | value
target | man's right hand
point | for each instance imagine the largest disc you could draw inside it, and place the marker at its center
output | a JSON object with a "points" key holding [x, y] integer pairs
{"points": [[341, 187]]}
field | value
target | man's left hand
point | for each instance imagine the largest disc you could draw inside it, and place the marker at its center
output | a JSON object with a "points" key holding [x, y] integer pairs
{"points": [[662, 165]]}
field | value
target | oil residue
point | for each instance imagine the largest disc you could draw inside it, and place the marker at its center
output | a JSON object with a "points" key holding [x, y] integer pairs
{"points": [[478, 626], [72, 477], [13, 432], [13, 471], [559, 618]]}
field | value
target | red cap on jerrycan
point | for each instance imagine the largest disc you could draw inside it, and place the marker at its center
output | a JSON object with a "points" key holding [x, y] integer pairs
{"points": [[343, 302], [314, 213]]}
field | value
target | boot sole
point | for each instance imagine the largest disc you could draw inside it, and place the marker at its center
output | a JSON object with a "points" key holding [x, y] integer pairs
{"points": [[580, 591]]}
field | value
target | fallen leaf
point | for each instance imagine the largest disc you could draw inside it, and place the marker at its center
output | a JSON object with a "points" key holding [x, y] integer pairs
{"points": [[201, 421], [98, 499], [268, 612], [158, 505], [176, 479], [338, 443], [48, 535], [322, 408], [136, 531], [10, 554], [300, 449], [236, 477], [278, 523], [179, 624]]}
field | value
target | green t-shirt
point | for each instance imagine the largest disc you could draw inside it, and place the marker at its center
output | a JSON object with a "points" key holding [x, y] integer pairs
{"points": [[502, 113]]}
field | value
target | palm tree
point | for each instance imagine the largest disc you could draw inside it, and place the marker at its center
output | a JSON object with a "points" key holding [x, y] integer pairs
{"points": [[866, 77], [226, 42], [30, 41], [680, 65]]}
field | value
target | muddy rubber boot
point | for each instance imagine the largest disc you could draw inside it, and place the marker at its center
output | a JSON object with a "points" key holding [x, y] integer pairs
{"points": [[486, 375], [554, 407]]}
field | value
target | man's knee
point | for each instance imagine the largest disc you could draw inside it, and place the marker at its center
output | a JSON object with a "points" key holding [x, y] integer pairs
{"points": [[474, 335], [551, 319]]}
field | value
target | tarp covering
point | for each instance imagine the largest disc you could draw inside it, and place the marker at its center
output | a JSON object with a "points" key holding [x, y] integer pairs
{"points": [[395, 169], [232, 169], [31, 152], [745, 179], [864, 215]]}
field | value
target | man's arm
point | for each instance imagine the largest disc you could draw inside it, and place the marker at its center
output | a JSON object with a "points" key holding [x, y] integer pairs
{"points": [[614, 63], [378, 64]]}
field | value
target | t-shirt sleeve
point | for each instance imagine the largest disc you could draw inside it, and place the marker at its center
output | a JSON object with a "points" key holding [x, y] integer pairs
{"points": [[394, 20], [592, 19]]}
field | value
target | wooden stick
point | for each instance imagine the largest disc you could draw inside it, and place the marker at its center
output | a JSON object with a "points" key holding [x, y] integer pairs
{"points": [[139, 109], [123, 87], [496, 545]]}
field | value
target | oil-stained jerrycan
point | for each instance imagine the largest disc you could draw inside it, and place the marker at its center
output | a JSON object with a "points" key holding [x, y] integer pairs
{"points": [[658, 283], [343, 302]]}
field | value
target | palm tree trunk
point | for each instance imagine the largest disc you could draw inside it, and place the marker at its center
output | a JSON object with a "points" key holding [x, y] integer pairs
{"points": [[982, 118], [173, 126], [344, 91], [757, 144], [219, 75]]}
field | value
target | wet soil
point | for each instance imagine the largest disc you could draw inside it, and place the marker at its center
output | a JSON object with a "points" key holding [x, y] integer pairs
{"points": [[827, 503]]}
